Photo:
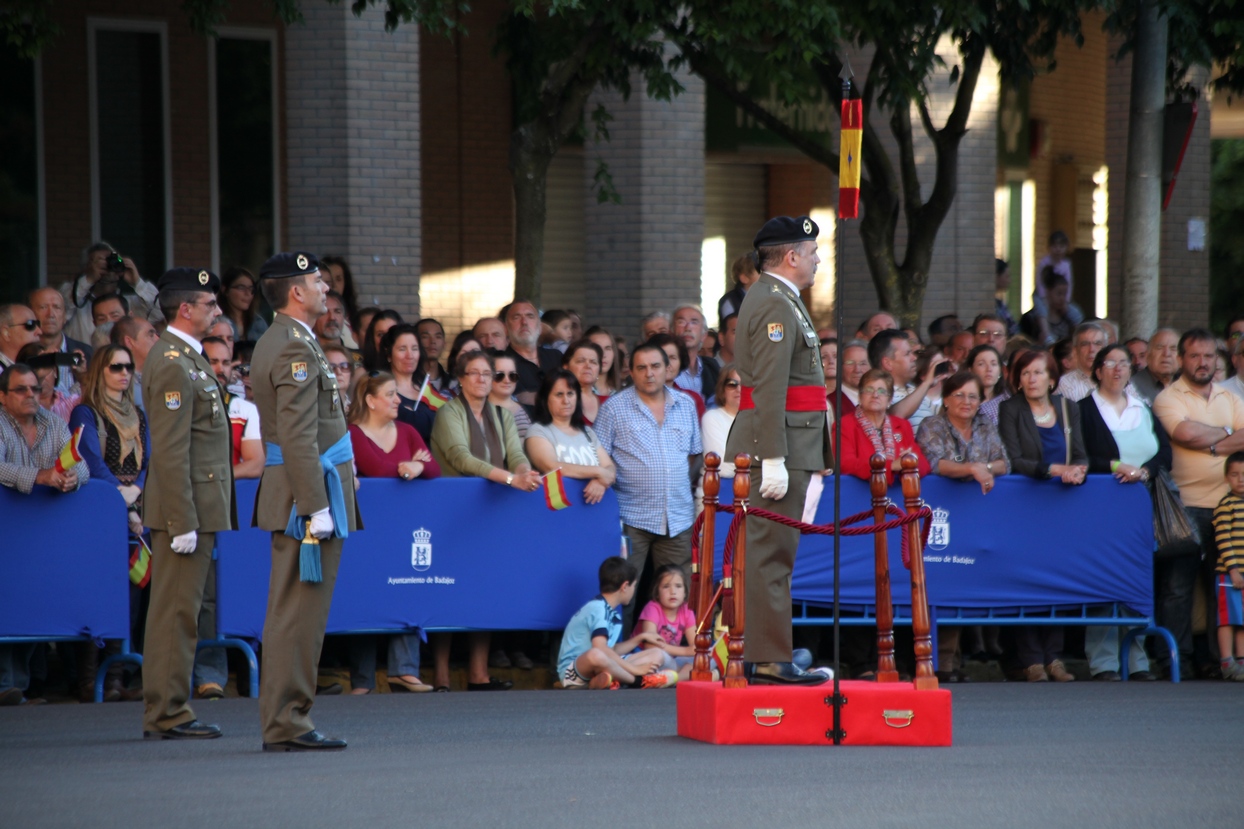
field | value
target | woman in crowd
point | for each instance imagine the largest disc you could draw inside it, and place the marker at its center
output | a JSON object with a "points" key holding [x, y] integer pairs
{"points": [[582, 359], [1124, 439], [473, 437], [359, 323], [341, 280], [504, 384], [829, 362], [1041, 433], [716, 423], [1222, 365], [384, 447], [341, 361], [238, 304], [377, 328], [561, 438], [432, 344], [465, 341], [610, 379], [116, 448], [869, 430], [399, 356], [985, 362], [676, 351], [561, 325], [961, 443]]}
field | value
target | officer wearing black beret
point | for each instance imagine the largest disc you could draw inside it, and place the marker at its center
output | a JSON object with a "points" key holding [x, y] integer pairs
{"points": [[781, 422], [305, 497], [187, 498]]}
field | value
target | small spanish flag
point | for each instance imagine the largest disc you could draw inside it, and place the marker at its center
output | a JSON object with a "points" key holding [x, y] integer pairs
{"points": [[70, 456], [430, 397], [140, 563], [849, 159], [721, 651], [555, 491]]}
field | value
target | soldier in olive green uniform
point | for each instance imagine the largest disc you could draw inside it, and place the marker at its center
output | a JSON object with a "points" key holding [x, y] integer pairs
{"points": [[307, 487], [188, 497], [781, 424]]}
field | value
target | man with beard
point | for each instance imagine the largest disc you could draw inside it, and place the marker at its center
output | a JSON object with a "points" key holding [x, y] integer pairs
{"points": [[522, 326], [1206, 424]]}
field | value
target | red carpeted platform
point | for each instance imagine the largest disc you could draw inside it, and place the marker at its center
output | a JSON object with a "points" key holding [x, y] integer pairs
{"points": [[875, 714]]}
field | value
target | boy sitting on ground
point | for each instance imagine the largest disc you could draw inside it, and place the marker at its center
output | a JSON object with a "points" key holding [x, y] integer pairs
{"points": [[591, 655]]}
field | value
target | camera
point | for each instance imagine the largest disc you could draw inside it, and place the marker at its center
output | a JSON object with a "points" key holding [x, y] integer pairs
{"points": [[115, 263], [74, 360], [942, 368]]}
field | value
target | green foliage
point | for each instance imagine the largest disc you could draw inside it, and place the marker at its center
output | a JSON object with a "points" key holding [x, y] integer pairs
{"points": [[26, 26], [1201, 33], [1226, 243]]}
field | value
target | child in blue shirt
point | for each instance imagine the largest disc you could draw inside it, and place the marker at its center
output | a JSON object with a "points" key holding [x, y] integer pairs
{"points": [[591, 655]]}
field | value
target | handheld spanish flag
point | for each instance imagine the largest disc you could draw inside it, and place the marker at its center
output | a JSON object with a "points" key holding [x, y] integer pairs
{"points": [[70, 456], [849, 159], [140, 562], [429, 396], [721, 646], [555, 491]]}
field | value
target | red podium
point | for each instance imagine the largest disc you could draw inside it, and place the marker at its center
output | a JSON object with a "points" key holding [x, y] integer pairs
{"points": [[881, 713]]}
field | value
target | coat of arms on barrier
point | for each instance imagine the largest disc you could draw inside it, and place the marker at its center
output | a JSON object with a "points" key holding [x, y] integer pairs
{"points": [[939, 529], [421, 550]]}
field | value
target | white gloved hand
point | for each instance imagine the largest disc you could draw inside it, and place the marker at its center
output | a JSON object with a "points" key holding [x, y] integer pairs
{"points": [[322, 523], [185, 543], [773, 478]]}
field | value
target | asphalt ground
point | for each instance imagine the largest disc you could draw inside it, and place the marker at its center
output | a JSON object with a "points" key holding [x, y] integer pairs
{"points": [[1082, 754]]}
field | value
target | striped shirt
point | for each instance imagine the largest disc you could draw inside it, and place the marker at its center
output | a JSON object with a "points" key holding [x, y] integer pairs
{"points": [[21, 463], [1229, 532]]}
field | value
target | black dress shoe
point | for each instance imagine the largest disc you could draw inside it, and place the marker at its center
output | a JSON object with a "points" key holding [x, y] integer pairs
{"points": [[781, 673], [1107, 676], [193, 730], [493, 684], [311, 741], [331, 690], [1142, 676]]}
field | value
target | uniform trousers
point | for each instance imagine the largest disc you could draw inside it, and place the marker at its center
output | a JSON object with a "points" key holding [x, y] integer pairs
{"points": [[177, 584], [770, 557], [293, 634]]}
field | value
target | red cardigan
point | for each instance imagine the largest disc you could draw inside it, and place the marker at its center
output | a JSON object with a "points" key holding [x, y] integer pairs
{"points": [[857, 449], [372, 462]]}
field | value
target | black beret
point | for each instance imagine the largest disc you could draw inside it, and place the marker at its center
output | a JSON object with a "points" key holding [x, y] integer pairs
{"points": [[189, 279], [783, 230], [297, 263]]}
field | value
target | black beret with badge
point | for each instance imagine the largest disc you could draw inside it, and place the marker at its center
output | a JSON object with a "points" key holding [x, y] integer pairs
{"points": [[189, 279], [783, 230], [296, 263]]}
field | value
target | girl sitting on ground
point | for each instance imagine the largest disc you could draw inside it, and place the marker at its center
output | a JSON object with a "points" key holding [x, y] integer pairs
{"points": [[668, 616]]}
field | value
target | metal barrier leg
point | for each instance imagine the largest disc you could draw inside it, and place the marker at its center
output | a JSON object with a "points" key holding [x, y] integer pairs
{"points": [[251, 661], [1152, 630], [101, 672]]}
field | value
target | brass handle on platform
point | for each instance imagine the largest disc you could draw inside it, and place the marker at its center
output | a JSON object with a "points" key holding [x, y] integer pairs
{"points": [[768, 713]]}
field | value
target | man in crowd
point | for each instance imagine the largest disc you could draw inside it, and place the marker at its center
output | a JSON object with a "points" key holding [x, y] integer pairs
{"points": [[877, 321], [223, 328], [653, 436], [522, 329], [104, 271], [1139, 351], [743, 270], [31, 439], [891, 351], [957, 349], [781, 423], [990, 329], [1163, 363], [431, 346], [1206, 424], [852, 365], [138, 336], [49, 307], [658, 322], [1061, 315], [308, 482], [942, 329], [19, 327], [1235, 383], [490, 332], [187, 499], [331, 323], [108, 308], [725, 339], [699, 375], [1077, 384]]}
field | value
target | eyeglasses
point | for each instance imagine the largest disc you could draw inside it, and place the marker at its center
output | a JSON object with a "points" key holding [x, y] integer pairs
{"points": [[119, 368], [732, 384], [23, 390], [854, 363], [502, 376], [1111, 364], [211, 303], [29, 325], [1090, 344], [340, 366], [993, 335], [244, 288], [875, 391], [965, 398], [478, 375]]}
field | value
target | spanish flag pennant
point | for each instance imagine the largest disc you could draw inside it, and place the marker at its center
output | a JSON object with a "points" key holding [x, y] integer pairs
{"points": [[70, 456], [721, 651], [140, 563], [849, 159], [430, 397], [555, 490]]}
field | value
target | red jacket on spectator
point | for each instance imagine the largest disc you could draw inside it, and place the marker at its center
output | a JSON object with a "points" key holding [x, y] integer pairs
{"points": [[371, 462], [857, 449]]}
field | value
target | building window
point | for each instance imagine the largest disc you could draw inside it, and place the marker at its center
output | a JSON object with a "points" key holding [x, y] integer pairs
{"points": [[19, 179], [245, 214], [132, 202]]}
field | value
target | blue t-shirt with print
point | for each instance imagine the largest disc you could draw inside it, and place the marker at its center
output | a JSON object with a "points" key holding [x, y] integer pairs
{"points": [[596, 618]]}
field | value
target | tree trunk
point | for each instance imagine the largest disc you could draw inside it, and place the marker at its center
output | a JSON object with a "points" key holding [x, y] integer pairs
{"points": [[529, 167], [1142, 204]]}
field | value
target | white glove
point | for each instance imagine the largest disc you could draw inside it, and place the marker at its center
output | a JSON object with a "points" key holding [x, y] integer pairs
{"points": [[322, 523], [185, 543], [773, 478]]}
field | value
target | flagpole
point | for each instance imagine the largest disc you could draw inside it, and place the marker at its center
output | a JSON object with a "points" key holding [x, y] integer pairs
{"points": [[839, 317], [422, 390]]}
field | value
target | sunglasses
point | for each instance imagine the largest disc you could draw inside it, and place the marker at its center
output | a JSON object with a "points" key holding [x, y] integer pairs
{"points": [[120, 368], [732, 384], [502, 376], [23, 390], [29, 325], [340, 366]]}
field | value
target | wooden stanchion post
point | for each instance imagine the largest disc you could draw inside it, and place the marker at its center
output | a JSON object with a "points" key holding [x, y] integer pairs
{"points": [[702, 573], [735, 675], [886, 670], [925, 679]]}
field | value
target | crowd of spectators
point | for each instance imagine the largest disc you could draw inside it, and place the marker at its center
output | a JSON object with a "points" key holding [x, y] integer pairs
{"points": [[516, 396]]}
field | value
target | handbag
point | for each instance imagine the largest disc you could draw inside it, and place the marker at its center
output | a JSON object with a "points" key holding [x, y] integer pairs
{"points": [[1174, 532]]}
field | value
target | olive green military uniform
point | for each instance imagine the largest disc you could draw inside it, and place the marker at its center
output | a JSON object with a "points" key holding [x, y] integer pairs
{"points": [[189, 487], [300, 410], [776, 348]]}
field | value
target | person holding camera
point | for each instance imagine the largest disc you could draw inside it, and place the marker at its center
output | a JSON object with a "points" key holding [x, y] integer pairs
{"points": [[104, 272], [891, 351], [49, 307]]}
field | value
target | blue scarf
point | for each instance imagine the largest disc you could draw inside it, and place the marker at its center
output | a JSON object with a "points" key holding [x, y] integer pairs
{"points": [[309, 553]]}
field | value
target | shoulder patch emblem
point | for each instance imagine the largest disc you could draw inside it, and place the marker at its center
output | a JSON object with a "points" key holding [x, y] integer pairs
{"points": [[299, 370], [776, 332], [172, 400]]}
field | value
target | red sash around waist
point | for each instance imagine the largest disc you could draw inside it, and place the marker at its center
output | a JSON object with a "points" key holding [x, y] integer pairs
{"points": [[798, 399]]}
